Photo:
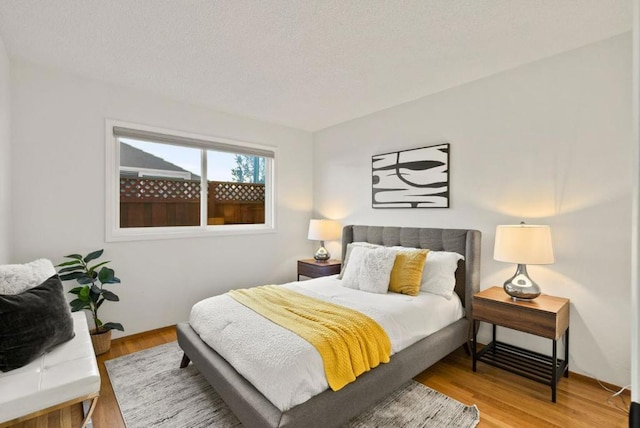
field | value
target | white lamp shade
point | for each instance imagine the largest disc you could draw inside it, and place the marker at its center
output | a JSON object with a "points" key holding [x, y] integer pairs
{"points": [[523, 244], [324, 230]]}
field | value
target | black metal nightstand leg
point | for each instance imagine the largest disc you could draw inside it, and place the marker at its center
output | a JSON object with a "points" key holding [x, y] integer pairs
{"points": [[474, 344], [554, 371], [566, 353], [493, 341]]}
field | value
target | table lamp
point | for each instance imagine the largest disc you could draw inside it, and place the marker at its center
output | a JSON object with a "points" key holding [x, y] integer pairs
{"points": [[523, 244], [323, 230]]}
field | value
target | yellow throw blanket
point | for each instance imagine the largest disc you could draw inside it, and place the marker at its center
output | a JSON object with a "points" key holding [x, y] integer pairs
{"points": [[349, 342]]}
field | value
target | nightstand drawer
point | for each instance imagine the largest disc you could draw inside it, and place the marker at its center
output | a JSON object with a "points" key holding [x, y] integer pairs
{"points": [[313, 269], [545, 316], [534, 322]]}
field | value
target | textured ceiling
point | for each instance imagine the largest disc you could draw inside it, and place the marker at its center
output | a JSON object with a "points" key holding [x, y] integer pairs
{"points": [[303, 63]]}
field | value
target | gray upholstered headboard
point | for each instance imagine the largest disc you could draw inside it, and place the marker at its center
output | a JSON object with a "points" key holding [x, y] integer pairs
{"points": [[462, 241]]}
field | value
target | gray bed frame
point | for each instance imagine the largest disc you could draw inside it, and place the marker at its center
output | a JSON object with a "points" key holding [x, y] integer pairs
{"points": [[329, 409]]}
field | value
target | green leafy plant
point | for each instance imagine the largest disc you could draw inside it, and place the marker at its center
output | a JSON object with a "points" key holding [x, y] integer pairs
{"points": [[91, 294]]}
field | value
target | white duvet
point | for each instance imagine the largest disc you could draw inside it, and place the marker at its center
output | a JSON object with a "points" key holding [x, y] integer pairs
{"points": [[285, 368]]}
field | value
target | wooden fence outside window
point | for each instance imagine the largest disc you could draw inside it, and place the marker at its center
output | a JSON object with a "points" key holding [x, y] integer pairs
{"points": [[158, 202]]}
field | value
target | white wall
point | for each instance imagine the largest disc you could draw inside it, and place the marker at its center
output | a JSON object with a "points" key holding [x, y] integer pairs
{"points": [[547, 142], [5, 156], [58, 205]]}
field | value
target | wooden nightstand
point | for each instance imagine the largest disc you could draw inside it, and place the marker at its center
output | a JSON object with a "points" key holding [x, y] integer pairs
{"points": [[544, 316], [315, 269]]}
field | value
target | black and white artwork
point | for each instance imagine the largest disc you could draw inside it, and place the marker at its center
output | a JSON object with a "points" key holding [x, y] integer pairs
{"points": [[416, 178]]}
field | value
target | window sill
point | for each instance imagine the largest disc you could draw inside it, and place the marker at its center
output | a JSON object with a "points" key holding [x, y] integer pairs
{"points": [[160, 233]]}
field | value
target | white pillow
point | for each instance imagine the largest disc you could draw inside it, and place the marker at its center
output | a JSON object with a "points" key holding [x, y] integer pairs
{"points": [[369, 269], [14, 279], [347, 254], [439, 274]]}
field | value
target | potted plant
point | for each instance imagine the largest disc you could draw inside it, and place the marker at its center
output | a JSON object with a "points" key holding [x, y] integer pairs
{"points": [[91, 293]]}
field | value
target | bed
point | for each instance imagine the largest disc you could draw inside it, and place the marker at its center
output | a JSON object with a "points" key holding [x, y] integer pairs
{"points": [[331, 408]]}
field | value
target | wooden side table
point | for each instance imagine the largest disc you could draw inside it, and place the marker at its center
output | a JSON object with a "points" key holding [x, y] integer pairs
{"points": [[312, 268], [544, 316]]}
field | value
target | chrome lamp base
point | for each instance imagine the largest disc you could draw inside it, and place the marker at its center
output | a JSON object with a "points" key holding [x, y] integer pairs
{"points": [[322, 255], [520, 286]]}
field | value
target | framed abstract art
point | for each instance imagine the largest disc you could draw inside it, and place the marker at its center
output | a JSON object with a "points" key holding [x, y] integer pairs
{"points": [[416, 178]]}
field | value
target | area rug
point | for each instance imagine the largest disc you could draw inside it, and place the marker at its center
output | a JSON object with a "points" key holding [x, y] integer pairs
{"points": [[152, 391]]}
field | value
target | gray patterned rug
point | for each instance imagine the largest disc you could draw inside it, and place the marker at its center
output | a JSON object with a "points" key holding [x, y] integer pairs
{"points": [[153, 392]]}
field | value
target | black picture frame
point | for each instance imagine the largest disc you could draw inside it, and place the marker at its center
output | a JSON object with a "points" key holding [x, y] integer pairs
{"points": [[414, 178]]}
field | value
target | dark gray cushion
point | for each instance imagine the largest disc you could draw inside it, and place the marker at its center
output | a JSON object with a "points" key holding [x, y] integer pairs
{"points": [[462, 241], [33, 322]]}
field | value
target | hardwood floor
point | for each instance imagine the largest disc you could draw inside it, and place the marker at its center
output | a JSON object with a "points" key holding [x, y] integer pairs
{"points": [[504, 399], [507, 400]]}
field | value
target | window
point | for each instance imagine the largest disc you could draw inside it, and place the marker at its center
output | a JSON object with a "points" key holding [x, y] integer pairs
{"points": [[165, 184]]}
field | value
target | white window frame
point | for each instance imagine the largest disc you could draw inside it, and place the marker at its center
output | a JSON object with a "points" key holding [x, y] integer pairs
{"points": [[113, 231]]}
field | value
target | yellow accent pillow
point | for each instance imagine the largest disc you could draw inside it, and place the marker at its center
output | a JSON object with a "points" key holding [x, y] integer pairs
{"points": [[407, 272]]}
